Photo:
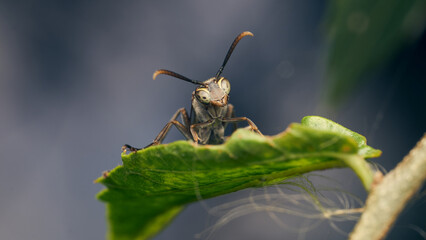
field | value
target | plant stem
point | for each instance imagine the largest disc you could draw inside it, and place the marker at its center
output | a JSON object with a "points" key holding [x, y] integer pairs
{"points": [[390, 194]]}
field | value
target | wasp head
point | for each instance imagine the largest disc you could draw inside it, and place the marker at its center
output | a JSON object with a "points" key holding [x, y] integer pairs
{"points": [[214, 91]]}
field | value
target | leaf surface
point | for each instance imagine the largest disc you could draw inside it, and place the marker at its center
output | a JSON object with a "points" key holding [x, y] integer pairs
{"points": [[154, 184]]}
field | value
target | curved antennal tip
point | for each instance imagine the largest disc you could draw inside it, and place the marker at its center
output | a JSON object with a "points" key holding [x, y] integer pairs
{"points": [[246, 33], [173, 74], [156, 73]]}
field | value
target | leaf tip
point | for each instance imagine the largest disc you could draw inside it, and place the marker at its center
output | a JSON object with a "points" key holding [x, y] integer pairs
{"points": [[105, 175]]}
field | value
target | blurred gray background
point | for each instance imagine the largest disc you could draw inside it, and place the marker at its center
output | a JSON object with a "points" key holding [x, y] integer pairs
{"points": [[76, 84]]}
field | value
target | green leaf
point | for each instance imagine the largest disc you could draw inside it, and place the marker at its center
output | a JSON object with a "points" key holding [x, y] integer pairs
{"points": [[153, 185], [328, 125], [366, 34]]}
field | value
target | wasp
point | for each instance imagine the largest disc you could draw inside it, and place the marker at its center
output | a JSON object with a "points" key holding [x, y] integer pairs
{"points": [[210, 111]]}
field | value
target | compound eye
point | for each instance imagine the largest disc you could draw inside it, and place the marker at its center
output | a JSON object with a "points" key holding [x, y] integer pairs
{"points": [[203, 95], [225, 85]]}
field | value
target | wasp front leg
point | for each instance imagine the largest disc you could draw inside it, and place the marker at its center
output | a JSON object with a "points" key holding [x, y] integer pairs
{"points": [[183, 128], [241, 119], [230, 113], [195, 127]]}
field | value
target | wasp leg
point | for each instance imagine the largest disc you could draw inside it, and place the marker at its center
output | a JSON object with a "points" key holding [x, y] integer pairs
{"points": [[241, 119], [198, 126], [126, 147], [159, 139], [230, 113], [183, 128]]}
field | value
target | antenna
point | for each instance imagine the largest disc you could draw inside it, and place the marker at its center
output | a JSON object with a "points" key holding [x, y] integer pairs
{"points": [[176, 75], [231, 49]]}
